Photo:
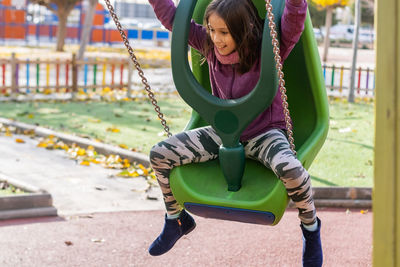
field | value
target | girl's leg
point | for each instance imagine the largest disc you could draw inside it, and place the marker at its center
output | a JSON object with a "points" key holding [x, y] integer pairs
{"points": [[273, 150], [198, 145]]}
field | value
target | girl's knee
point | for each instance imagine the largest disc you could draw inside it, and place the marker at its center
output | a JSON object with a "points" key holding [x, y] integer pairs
{"points": [[157, 152], [289, 169]]}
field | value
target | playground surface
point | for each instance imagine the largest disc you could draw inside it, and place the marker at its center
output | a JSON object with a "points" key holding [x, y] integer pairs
{"points": [[105, 221], [122, 239]]}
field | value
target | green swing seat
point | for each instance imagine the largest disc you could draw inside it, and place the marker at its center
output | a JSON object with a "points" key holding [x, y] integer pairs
{"points": [[262, 199]]}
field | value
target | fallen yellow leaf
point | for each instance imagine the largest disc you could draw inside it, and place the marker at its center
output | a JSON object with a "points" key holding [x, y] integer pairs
{"points": [[95, 161], [126, 163], [42, 144], [81, 152], [106, 90], [47, 91], [19, 140], [143, 168], [123, 146], [113, 130], [85, 163]]}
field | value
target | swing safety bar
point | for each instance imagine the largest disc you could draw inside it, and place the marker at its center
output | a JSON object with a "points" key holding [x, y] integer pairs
{"points": [[229, 117]]}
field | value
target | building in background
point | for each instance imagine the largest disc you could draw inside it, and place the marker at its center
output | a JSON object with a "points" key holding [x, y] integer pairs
{"points": [[35, 24], [134, 9]]}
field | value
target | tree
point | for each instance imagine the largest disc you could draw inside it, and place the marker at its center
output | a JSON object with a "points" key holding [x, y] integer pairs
{"points": [[367, 11], [329, 5], [317, 15], [87, 26], [62, 8]]}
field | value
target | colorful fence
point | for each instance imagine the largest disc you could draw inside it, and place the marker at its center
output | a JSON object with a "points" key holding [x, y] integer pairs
{"points": [[337, 79], [26, 76]]}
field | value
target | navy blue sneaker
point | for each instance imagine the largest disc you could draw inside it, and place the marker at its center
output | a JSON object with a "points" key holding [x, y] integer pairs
{"points": [[312, 249], [173, 230]]}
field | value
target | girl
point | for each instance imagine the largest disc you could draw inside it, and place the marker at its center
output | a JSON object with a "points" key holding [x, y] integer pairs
{"points": [[230, 41]]}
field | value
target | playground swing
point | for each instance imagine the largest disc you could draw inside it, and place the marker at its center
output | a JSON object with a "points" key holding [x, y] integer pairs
{"points": [[235, 188]]}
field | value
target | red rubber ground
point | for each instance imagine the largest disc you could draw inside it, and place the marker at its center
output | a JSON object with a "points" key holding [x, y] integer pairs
{"points": [[122, 239]]}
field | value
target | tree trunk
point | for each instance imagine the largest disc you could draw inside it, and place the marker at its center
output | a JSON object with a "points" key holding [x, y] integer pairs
{"points": [[328, 23], [62, 14], [87, 26], [355, 47]]}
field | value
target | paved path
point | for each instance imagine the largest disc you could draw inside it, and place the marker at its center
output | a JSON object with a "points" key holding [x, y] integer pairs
{"points": [[74, 188]]}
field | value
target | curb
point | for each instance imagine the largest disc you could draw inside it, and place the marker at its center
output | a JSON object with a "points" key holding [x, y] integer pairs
{"points": [[342, 197], [82, 142], [335, 197], [36, 203]]}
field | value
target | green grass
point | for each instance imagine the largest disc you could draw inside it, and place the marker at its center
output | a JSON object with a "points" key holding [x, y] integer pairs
{"points": [[346, 159], [10, 190], [137, 122]]}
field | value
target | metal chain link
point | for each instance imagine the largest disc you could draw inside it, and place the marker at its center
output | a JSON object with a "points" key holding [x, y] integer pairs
{"points": [[139, 69], [278, 61]]}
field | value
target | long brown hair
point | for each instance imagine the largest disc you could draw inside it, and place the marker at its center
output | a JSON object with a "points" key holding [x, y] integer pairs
{"points": [[244, 25]]}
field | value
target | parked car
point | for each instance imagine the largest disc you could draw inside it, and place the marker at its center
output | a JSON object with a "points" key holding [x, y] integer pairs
{"points": [[341, 32], [346, 33]]}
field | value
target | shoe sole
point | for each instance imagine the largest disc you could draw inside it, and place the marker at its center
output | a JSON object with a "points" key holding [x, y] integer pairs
{"points": [[190, 230]]}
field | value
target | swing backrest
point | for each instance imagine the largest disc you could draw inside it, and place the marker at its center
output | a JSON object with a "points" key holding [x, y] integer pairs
{"points": [[308, 103]]}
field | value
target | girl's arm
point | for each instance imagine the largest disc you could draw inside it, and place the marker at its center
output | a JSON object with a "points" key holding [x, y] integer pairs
{"points": [[292, 25], [165, 12]]}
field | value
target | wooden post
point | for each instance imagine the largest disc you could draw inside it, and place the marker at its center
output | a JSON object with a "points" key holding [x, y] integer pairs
{"points": [[130, 73], [74, 66], [14, 88], [386, 197]]}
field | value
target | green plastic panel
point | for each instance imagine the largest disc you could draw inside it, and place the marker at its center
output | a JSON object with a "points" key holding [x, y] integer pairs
{"points": [[261, 190]]}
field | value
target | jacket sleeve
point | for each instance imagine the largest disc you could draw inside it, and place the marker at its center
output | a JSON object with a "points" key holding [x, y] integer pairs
{"points": [[292, 26], [165, 12]]}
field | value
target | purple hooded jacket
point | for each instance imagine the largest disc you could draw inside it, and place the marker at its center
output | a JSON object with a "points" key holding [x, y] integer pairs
{"points": [[226, 83]]}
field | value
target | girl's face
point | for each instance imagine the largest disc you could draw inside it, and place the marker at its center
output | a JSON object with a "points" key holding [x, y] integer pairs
{"points": [[220, 35]]}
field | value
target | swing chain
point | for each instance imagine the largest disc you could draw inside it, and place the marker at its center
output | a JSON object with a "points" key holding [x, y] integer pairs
{"points": [[278, 61], [139, 69]]}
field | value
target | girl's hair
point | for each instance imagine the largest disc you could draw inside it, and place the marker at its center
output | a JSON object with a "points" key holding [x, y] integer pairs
{"points": [[244, 25]]}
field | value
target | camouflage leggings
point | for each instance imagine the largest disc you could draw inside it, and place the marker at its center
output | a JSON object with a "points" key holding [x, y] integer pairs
{"points": [[202, 144]]}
